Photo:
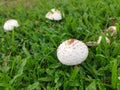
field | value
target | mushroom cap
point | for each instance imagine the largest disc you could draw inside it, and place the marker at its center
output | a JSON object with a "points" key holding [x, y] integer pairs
{"points": [[72, 52], [112, 30], [54, 14], [10, 24]]}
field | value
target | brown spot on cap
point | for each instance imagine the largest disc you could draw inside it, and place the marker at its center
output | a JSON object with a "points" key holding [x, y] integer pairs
{"points": [[70, 41]]}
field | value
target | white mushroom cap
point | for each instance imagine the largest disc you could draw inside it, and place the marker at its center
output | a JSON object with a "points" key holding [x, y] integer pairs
{"points": [[54, 15], [72, 52], [10, 25], [111, 30]]}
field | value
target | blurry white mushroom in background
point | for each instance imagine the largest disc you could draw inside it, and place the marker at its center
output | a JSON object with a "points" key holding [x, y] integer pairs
{"points": [[10, 24], [54, 14], [72, 52], [111, 31]]}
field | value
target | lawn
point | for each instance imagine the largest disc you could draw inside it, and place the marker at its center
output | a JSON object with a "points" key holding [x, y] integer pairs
{"points": [[30, 61]]}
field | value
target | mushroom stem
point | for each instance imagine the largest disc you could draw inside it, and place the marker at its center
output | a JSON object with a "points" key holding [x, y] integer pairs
{"points": [[94, 43], [91, 43], [99, 40]]}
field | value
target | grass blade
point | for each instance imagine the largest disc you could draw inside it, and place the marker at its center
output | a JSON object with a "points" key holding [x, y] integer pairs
{"points": [[20, 71], [114, 74], [74, 73], [33, 86], [92, 86]]}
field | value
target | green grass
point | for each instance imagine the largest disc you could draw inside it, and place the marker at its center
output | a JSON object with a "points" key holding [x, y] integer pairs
{"points": [[30, 62]]}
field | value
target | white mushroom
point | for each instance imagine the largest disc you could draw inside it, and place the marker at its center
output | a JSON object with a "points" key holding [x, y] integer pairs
{"points": [[10, 25], [54, 14], [72, 52], [111, 30]]}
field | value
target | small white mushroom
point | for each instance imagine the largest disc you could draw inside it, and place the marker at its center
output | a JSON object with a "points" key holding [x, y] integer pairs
{"points": [[10, 25], [54, 14], [111, 31], [72, 52]]}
